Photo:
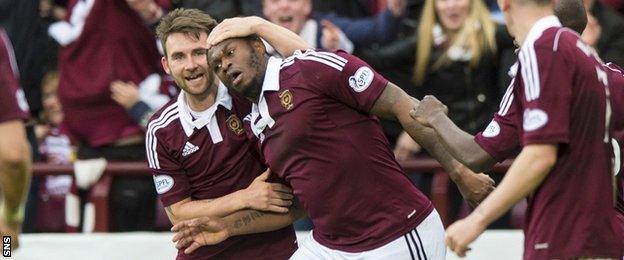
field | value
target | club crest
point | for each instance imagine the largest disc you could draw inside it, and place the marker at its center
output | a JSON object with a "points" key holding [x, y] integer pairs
{"points": [[235, 125], [286, 99]]}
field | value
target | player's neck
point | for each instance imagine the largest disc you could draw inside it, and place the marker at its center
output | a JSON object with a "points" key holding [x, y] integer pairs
{"points": [[203, 101], [525, 18]]}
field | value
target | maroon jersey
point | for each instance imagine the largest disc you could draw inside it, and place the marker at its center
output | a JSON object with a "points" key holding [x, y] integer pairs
{"points": [[102, 41], [567, 107], [316, 133], [206, 158], [13, 103], [616, 86]]}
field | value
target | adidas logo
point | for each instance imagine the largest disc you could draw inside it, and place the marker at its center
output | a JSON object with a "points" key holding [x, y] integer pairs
{"points": [[189, 148]]}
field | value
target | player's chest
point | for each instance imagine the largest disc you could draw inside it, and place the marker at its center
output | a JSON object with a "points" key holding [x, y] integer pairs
{"points": [[202, 149], [286, 117]]}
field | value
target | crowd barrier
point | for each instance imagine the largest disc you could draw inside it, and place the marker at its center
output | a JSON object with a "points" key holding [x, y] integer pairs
{"points": [[101, 190]]}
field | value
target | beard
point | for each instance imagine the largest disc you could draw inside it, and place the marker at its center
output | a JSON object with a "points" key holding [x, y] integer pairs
{"points": [[253, 89]]}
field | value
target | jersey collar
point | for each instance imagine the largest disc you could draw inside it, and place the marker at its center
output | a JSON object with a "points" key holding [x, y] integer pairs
{"points": [[538, 29], [208, 117], [260, 117]]}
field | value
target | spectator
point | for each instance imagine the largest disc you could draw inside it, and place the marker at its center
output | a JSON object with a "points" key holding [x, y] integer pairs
{"points": [[55, 147], [454, 56], [143, 100], [222, 9], [330, 32], [604, 31], [104, 41]]}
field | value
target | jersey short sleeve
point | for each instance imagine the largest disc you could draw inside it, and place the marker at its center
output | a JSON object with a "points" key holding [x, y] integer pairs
{"points": [[344, 77], [170, 179], [547, 95], [500, 137]]}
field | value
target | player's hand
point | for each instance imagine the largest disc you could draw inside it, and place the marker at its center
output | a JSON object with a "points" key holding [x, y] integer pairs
{"points": [[266, 196], [460, 234], [124, 93], [397, 7], [405, 147], [330, 39], [428, 109], [474, 187], [195, 233], [232, 28]]}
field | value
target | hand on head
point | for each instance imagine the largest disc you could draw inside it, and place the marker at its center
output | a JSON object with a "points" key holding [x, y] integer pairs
{"points": [[232, 28]]}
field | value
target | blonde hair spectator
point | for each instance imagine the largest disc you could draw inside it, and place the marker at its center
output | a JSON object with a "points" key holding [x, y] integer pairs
{"points": [[468, 34]]}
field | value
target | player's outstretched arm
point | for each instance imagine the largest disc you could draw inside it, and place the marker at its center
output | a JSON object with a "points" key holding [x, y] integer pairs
{"points": [[432, 113], [283, 40], [198, 232], [260, 195], [525, 174], [395, 104], [15, 173]]}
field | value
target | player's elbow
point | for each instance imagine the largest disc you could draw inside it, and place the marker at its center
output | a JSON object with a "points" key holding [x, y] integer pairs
{"points": [[477, 164], [477, 160], [543, 156]]}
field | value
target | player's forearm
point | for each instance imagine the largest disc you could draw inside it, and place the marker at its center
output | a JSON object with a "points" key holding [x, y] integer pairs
{"points": [[395, 104], [525, 174], [253, 221], [283, 40], [461, 145], [219, 207]]}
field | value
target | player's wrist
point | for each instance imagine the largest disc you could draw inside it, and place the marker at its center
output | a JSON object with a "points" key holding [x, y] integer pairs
{"points": [[240, 200], [257, 24], [437, 120], [480, 218]]}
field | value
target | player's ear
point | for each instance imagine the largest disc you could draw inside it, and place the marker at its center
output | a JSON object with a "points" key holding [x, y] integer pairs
{"points": [[165, 64], [504, 5], [258, 45]]}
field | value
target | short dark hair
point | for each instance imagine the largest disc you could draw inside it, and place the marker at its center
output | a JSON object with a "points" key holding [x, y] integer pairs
{"points": [[572, 14], [191, 22]]}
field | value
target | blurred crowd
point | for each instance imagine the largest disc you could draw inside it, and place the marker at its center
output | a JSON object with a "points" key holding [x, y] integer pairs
{"points": [[92, 76]]}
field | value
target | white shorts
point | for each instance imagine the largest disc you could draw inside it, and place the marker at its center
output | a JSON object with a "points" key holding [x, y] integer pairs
{"points": [[425, 242]]}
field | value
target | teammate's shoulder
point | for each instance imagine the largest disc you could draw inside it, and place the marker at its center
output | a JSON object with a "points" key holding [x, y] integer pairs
{"points": [[557, 38], [311, 59]]}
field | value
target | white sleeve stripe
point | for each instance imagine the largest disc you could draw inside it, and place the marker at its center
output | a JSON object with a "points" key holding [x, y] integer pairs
{"points": [[530, 73], [10, 52], [535, 71], [151, 134], [609, 64], [321, 60], [287, 63], [155, 141], [152, 153], [524, 73], [507, 99], [330, 56]]}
